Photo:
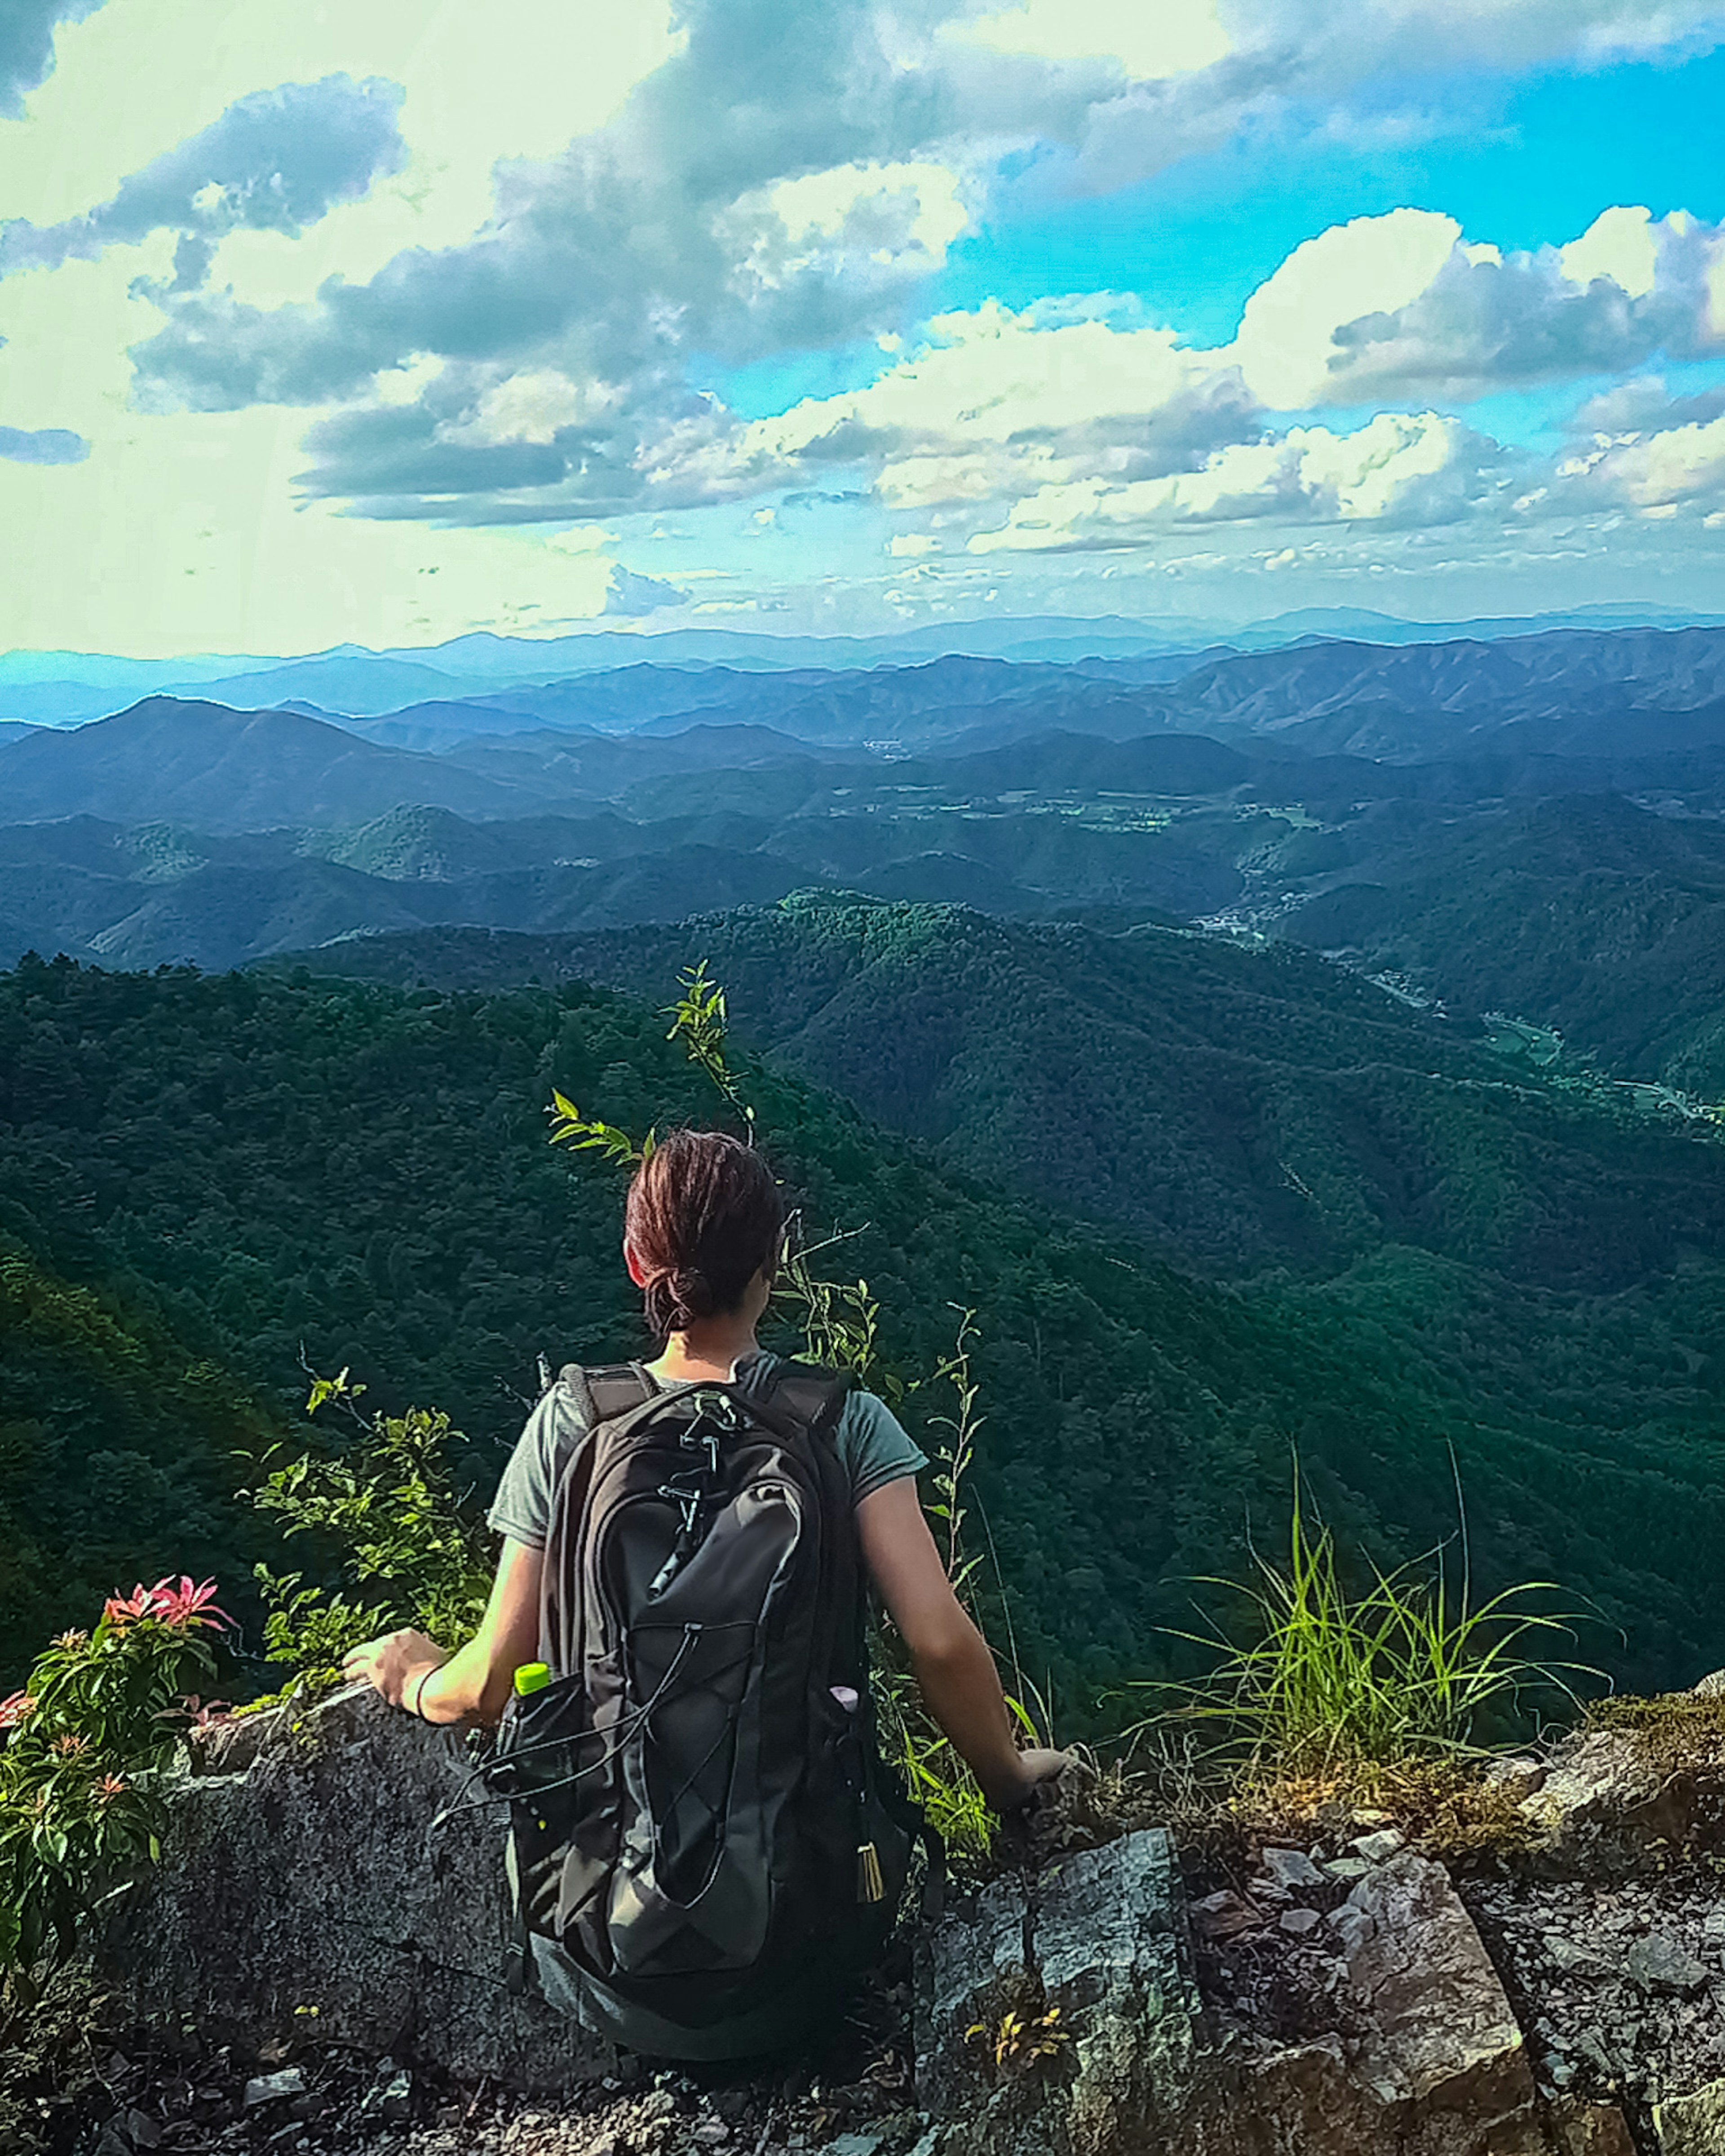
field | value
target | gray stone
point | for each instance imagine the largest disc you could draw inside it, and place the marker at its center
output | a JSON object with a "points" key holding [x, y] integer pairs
{"points": [[1099, 1940], [1292, 1868], [1351, 1926], [1518, 1775], [1378, 1848], [1438, 2069], [1569, 1959], [1659, 1963], [1301, 1923], [1221, 1916], [971, 1968], [1109, 1943], [1692, 2125], [391, 2095], [1581, 2129], [270, 2088], [1349, 1868], [141, 2130], [1446, 2043], [1606, 1806], [304, 1890]]}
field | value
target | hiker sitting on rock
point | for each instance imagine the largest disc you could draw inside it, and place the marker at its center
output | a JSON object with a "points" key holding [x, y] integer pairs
{"points": [[706, 1845]]}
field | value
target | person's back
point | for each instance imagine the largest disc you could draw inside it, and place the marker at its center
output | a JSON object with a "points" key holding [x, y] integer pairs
{"points": [[706, 1842]]}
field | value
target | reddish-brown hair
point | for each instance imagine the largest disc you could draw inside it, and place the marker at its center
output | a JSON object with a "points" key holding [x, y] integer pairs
{"points": [[704, 1217]]}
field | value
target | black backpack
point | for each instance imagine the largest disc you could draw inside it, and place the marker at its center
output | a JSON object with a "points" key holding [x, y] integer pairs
{"points": [[702, 1830]]}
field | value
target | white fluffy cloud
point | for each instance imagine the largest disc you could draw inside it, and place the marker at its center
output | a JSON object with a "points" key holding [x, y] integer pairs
{"points": [[1149, 41], [1402, 305], [276, 161], [1422, 470], [486, 293], [1658, 454]]}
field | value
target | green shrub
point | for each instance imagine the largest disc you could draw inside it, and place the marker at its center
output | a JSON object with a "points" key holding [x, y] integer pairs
{"points": [[386, 1503], [102, 1714]]}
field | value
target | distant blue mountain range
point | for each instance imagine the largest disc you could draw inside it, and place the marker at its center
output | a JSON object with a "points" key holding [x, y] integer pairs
{"points": [[63, 688]]}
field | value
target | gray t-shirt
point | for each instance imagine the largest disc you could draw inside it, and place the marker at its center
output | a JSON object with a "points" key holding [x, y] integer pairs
{"points": [[873, 1445]]}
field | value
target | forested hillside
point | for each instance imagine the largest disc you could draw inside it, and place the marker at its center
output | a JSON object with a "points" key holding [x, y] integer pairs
{"points": [[231, 1175], [1234, 1108]]}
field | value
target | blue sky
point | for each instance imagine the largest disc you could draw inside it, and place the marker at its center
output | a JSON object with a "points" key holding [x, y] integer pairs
{"points": [[385, 322]]}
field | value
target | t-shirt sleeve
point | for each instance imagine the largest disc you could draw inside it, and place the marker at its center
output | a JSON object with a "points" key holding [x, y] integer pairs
{"points": [[521, 1509], [875, 1446]]}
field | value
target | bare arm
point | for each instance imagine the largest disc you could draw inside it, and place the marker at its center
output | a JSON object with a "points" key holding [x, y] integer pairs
{"points": [[953, 1668], [473, 1684]]}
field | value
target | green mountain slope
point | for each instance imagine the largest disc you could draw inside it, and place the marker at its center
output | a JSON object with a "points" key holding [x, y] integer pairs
{"points": [[357, 1174], [117, 1456], [1590, 913], [1236, 1108]]}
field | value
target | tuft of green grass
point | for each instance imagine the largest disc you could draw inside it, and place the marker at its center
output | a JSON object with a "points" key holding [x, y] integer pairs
{"points": [[1329, 1679]]}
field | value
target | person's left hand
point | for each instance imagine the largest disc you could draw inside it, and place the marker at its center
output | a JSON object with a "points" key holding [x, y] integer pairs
{"points": [[394, 1662]]}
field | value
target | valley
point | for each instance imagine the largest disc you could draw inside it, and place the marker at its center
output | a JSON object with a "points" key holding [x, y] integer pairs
{"points": [[1290, 1052]]}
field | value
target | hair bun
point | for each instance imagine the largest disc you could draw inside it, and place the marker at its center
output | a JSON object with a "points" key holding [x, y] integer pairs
{"points": [[693, 1292], [678, 1299]]}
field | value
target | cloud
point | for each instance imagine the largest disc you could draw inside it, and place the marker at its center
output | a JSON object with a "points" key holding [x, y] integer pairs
{"points": [[1398, 470], [1644, 405], [44, 445], [628, 593], [1462, 320], [789, 178], [274, 161], [1150, 43], [990, 404], [759, 190], [1640, 447], [27, 45]]}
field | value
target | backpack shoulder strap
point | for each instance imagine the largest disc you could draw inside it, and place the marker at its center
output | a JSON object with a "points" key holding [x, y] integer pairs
{"points": [[595, 1396], [811, 1395], [587, 1398], [608, 1390]]}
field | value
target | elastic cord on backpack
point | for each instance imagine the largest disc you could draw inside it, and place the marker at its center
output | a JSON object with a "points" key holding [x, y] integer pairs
{"points": [[622, 1734]]}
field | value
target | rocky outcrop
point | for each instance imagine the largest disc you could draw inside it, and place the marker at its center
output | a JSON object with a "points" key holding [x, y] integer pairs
{"points": [[1339, 1999], [1060, 2011], [1607, 1803], [1093, 1955], [1692, 2125], [303, 1888]]}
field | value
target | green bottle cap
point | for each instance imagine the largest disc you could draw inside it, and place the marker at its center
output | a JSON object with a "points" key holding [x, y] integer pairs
{"points": [[531, 1677]]}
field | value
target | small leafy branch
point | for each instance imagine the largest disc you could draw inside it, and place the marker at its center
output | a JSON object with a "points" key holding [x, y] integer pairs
{"points": [[102, 1714], [389, 1503], [699, 1019], [839, 1320], [588, 1134], [953, 1459]]}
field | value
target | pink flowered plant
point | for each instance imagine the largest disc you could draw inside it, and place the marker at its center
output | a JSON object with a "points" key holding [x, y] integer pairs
{"points": [[12, 1711], [183, 1604]]}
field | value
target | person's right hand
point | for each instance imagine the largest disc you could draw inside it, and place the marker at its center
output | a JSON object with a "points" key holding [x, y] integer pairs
{"points": [[1031, 1770]]}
